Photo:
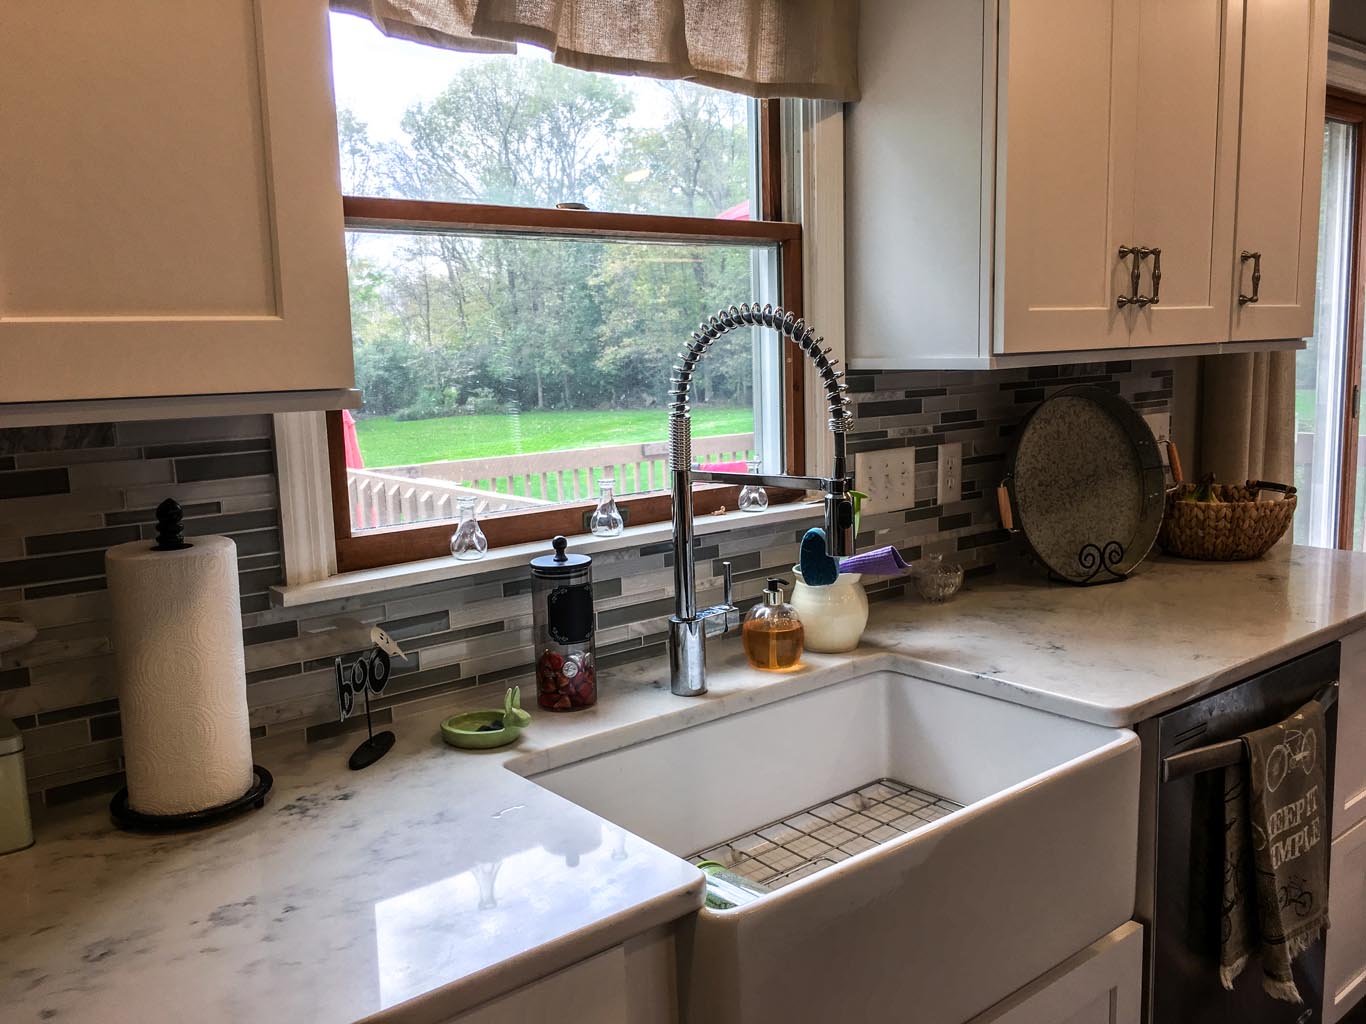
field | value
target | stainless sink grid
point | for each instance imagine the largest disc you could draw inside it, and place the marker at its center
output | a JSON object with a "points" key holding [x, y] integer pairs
{"points": [[804, 843]]}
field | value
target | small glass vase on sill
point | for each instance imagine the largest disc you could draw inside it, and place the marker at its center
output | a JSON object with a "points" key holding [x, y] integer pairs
{"points": [[753, 498], [468, 542], [607, 520]]}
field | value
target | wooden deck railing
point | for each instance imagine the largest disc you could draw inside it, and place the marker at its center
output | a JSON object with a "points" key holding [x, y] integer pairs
{"points": [[425, 492], [381, 499]]}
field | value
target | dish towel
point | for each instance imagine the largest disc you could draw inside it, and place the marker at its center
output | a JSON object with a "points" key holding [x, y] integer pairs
{"points": [[881, 562], [1275, 851]]}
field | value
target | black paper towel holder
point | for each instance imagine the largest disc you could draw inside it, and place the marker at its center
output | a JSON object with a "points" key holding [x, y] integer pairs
{"points": [[170, 537], [171, 527], [134, 821]]}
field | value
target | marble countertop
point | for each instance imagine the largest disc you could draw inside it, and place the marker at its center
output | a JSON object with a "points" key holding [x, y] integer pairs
{"points": [[438, 879], [1119, 653]]}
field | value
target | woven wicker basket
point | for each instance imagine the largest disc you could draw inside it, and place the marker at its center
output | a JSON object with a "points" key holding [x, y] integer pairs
{"points": [[1234, 528]]}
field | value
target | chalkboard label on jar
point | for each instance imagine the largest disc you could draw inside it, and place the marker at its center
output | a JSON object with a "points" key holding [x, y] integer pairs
{"points": [[570, 614]]}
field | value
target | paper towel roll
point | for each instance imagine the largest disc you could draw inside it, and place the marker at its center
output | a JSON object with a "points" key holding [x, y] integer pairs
{"points": [[177, 632]]}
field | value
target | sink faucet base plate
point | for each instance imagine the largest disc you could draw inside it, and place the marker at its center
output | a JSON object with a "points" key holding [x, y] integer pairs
{"points": [[687, 657]]}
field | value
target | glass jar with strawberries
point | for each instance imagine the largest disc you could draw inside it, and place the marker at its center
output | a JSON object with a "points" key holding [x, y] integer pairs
{"points": [[562, 608]]}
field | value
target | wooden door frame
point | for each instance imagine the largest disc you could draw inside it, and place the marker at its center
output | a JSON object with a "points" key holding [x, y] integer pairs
{"points": [[1349, 108]]}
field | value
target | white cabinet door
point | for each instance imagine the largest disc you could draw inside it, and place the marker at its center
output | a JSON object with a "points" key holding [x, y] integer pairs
{"points": [[1344, 981], [916, 220], [1349, 772], [633, 983], [1280, 159], [1186, 166], [591, 992], [1103, 984], [169, 199], [1065, 173]]}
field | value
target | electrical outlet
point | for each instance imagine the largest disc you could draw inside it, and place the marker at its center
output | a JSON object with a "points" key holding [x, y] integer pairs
{"points": [[887, 477], [950, 473]]}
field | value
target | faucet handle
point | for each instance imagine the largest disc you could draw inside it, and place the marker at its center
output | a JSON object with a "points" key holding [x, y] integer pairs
{"points": [[732, 613], [721, 618]]}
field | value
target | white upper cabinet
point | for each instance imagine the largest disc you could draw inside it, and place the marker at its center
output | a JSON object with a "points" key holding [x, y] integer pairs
{"points": [[170, 218], [1063, 176], [918, 209], [1279, 168], [1186, 167], [1065, 141]]}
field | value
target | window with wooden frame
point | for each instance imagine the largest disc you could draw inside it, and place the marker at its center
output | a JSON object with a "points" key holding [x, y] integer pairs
{"points": [[528, 247]]}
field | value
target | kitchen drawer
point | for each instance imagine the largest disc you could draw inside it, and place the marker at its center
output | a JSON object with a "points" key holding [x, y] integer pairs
{"points": [[1100, 985], [633, 983], [1349, 782], [592, 990], [1344, 981]]}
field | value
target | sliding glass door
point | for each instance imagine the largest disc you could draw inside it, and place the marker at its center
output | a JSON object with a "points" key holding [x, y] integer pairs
{"points": [[1328, 372]]}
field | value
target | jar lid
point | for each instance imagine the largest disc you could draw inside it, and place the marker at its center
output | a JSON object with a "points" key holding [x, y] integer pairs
{"points": [[561, 563], [11, 739]]}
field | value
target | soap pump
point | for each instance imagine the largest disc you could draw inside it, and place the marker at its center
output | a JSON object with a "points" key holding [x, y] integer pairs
{"points": [[772, 632]]}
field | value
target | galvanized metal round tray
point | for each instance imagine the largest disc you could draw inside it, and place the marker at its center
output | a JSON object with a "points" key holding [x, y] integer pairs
{"points": [[1086, 485]]}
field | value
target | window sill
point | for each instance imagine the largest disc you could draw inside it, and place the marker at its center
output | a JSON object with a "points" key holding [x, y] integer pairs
{"points": [[434, 570]]}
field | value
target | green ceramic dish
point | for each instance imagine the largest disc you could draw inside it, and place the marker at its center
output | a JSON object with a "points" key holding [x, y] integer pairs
{"points": [[470, 729]]}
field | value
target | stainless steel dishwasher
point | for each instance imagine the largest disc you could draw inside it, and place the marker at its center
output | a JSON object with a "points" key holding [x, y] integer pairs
{"points": [[1181, 847]]}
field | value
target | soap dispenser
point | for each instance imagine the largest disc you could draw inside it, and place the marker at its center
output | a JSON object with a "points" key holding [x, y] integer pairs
{"points": [[772, 632]]}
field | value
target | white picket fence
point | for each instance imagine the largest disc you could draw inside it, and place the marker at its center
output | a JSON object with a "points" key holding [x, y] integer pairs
{"points": [[427, 492]]}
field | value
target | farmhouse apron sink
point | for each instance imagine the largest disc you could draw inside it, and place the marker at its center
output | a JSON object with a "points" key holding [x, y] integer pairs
{"points": [[1026, 856]]}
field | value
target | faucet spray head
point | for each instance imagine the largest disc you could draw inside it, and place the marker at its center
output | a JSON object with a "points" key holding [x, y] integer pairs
{"points": [[786, 323]]}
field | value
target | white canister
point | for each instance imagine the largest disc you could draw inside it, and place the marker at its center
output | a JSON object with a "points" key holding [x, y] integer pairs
{"points": [[16, 828], [833, 617]]}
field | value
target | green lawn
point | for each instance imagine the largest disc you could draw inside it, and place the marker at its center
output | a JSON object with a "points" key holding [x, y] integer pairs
{"points": [[388, 442], [1304, 409]]}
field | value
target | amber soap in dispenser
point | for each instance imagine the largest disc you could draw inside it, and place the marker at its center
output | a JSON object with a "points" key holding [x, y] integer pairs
{"points": [[772, 632]]}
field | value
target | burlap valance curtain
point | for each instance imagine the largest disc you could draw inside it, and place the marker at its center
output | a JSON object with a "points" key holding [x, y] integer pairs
{"points": [[805, 48]]}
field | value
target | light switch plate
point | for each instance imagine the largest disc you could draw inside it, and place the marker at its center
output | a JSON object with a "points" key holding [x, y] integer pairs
{"points": [[1160, 423], [950, 482], [887, 477]]}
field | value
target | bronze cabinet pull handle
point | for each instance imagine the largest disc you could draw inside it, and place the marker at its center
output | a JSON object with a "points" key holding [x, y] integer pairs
{"points": [[1125, 251], [1141, 253], [1256, 258], [1156, 254]]}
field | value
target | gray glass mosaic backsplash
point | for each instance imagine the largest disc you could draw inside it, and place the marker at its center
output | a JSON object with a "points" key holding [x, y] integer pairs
{"points": [[67, 493]]}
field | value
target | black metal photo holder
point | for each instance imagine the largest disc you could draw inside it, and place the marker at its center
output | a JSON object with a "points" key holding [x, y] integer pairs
{"points": [[1098, 560], [368, 674], [374, 746]]}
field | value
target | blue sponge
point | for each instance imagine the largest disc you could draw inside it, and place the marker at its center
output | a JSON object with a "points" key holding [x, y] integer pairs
{"points": [[818, 568]]}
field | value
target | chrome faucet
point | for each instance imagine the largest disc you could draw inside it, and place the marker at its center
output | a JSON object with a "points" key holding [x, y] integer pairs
{"points": [[689, 627]]}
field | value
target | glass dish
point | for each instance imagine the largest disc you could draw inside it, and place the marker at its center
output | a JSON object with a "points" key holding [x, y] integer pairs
{"points": [[936, 579]]}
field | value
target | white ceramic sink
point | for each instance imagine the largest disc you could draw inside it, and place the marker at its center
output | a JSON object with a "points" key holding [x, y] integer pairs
{"points": [[931, 927]]}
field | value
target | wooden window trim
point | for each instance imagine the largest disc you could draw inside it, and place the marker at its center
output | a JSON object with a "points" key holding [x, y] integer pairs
{"points": [[370, 213], [1349, 108], [394, 545]]}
